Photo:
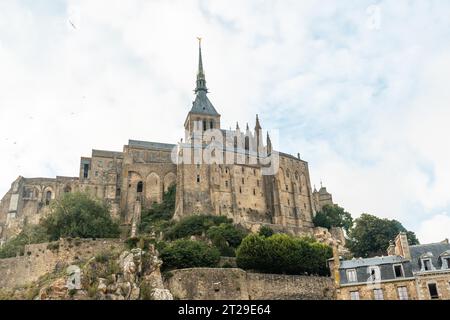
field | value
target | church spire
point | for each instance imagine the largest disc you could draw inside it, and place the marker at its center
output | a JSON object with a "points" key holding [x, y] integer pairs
{"points": [[201, 81]]}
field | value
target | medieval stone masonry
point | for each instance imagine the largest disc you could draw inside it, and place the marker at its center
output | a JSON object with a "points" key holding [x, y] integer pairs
{"points": [[234, 173]]}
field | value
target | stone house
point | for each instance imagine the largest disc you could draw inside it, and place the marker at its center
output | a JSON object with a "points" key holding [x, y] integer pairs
{"points": [[417, 272]]}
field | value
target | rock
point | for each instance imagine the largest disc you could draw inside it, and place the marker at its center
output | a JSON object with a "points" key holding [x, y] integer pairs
{"points": [[102, 286], [161, 294], [135, 292], [57, 290]]}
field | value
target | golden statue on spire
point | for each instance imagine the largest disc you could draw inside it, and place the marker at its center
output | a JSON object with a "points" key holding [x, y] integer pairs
{"points": [[199, 40]]}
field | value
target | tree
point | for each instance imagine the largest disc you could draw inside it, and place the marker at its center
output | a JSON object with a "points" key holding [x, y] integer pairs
{"points": [[159, 212], [333, 216], [184, 253], [226, 237], [79, 215], [370, 235]]}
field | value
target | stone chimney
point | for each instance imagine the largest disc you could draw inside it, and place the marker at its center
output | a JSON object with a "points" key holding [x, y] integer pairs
{"points": [[402, 246], [391, 249], [334, 265]]}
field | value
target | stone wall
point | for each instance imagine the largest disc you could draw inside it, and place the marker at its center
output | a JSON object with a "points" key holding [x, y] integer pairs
{"points": [[236, 284], [40, 259]]}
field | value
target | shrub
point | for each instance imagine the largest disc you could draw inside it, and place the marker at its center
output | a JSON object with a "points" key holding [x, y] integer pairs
{"points": [[79, 215], [189, 254], [226, 237], [281, 253], [265, 231], [195, 226]]}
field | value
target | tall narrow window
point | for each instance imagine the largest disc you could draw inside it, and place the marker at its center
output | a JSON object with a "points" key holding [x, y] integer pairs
{"points": [[85, 170], [198, 178], [140, 187], [211, 124], [426, 264], [204, 125], [432, 288], [48, 197]]}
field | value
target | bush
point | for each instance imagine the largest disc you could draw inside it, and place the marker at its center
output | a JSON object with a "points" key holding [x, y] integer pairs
{"points": [[195, 226], [78, 215], [226, 237], [188, 254], [281, 253], [265, 231]]}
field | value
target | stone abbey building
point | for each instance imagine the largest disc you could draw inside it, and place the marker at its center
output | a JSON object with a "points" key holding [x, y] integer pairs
{"points": [[243, 178]]}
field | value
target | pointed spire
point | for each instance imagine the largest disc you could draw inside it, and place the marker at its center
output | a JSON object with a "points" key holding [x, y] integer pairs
{"points": [[257, 126], [269, 144], [237, 126], [201, 80], [247, 128]]}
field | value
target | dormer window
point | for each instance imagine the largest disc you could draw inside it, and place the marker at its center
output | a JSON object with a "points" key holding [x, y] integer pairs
{"points": [[351, 275], [426, 264], [445, 258], [398, 271], [374, 273]]}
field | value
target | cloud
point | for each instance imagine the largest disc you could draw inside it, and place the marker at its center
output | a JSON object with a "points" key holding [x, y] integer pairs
{"points": [[435, 229], [358, 88]]}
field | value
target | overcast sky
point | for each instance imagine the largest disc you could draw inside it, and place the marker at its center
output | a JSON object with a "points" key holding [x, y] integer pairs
{"points": [[359, 88]]}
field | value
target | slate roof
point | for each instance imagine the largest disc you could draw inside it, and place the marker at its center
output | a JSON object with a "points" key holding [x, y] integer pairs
{"points": [[151, 145], [386, 265], [436, 249], [202, 105]]}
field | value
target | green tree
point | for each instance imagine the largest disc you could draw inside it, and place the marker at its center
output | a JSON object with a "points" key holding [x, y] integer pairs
{"points": [[226, 237], [79, 215], [370, 235], [333, 216], [184, 253]]}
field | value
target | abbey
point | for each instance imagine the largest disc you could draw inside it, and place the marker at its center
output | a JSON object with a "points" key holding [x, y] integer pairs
{"points": [[234, 173]]}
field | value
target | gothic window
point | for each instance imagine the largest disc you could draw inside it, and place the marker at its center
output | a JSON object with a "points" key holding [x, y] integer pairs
{"points": [[247, 143], [240, 190], [140, 187], [254, 192], [48, 197], [211, 124], [204, 125], [198, 178]]}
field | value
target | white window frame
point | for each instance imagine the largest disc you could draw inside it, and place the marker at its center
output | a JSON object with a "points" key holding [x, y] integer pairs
{"points": [[423, 260], [349, 279], [377, 273], [401, 267], [403, 295], [354, 295], [378, 294]]}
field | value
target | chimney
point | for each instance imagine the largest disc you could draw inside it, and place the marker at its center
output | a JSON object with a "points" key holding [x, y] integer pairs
{"points": [[334, 265], [402, 246], [391, 249]]}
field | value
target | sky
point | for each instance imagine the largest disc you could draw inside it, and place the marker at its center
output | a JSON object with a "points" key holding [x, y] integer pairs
{"points": [[358, 88]]}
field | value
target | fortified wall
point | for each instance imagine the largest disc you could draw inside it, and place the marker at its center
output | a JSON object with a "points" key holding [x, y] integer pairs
{"points": [[40, 259], [237, 284]]}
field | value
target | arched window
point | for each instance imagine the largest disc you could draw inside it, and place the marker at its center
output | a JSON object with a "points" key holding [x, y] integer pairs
{"points": [[140, 187], [48, 197]]}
